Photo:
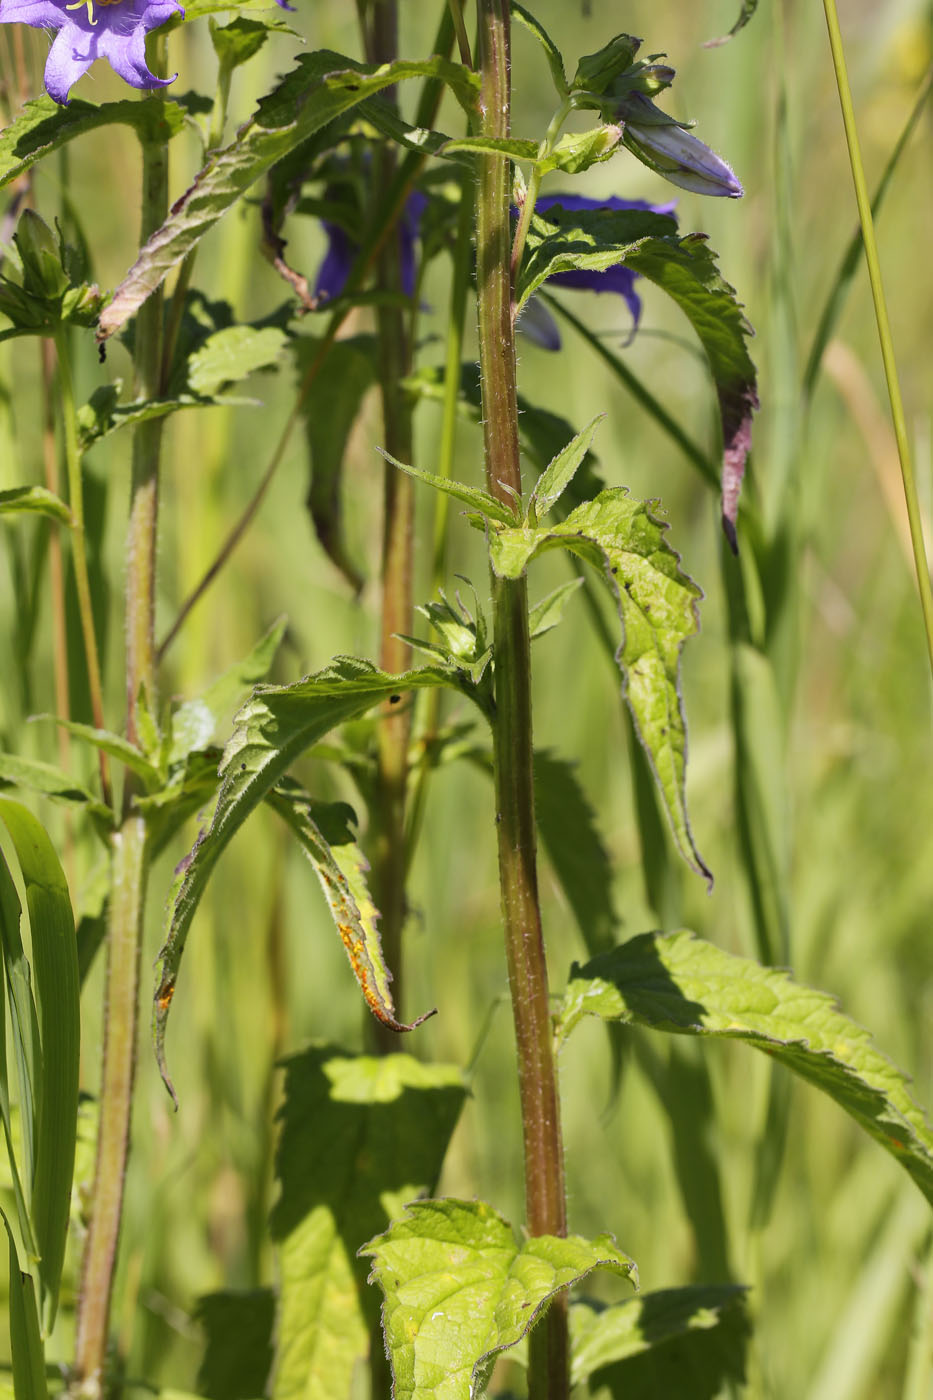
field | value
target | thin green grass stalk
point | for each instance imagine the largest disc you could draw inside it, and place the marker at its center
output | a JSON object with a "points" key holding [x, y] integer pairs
{"points": [[130, 858], [78, 550], [545, 1203], [56, 567], [884, 328]]}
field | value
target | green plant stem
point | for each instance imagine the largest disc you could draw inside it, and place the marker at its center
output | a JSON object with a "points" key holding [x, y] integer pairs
{"points": [[534, 185], [78, 550], [512, 740], [394, 356], [881, 316], [130, 856], [56, 568], [463, 261]]}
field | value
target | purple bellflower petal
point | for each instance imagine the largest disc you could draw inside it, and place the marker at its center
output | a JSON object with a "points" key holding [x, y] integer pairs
{"points": [[112, 29], [342, 250]]}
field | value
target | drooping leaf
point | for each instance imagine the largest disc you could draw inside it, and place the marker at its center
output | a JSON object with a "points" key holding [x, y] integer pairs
{"points": [[28, 1353], [237, 1357], [330, 409], [386, 1121], [55, 972], [657, 605], [103, 415], [43, 126], [679, 983], [34, 500], [560, 471], [325, 835], [273, 729], [115, 745], [459, 1289], [685, 268], [319, 88], [678, 1341]]}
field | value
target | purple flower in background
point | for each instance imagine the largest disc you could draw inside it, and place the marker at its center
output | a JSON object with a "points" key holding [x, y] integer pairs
{"points": [[342, 251], [111, 29], [536, 321]]}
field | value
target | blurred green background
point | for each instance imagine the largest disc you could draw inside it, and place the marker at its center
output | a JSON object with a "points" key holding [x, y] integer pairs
{"points": [[840, 1268]]}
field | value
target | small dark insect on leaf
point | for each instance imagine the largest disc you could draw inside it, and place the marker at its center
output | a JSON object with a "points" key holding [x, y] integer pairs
{"points": [[394, 699], [102, 353]]}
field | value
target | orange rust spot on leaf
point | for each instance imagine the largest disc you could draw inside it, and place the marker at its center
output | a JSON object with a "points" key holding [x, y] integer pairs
{"points": [[165, 996]]}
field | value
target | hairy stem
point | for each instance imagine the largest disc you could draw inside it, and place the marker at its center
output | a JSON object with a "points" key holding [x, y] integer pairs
{"points": [[388, 841], [513, 744], [130, 857]]}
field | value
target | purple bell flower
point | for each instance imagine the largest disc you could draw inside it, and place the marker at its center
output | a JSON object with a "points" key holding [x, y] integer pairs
{"points": [[342, 251], [536, 322], [88, 29]]}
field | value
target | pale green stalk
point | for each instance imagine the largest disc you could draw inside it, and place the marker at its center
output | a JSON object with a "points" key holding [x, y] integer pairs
{"points": [[884, 328]]}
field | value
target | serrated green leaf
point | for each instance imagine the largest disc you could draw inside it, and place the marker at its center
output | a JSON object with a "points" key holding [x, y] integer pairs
{"points": [[238, 1354], [43, 126], [677, 982], [237, 42], [387, 1121], [195, 722], [232, 354], [55, 974], [547, 613], [35, 776], [686, 269], [102, 415], [560, 471], [656, 602], [34, 500], [677, 1341], [472, 496], [551, 51], [28, 1353], [273, 729], [329, 410], [325, 835], [319, 88], [459, 1289], [575, 848]]}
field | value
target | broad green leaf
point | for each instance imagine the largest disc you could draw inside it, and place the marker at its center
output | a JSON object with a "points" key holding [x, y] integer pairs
{"points": [[233, 353], [575, 848], [686, 269], [237, 42], [43, 126], [547, 613], [386, 1121], [195, 722], [675, 1342], [35, 776], [34, 500], [237, 1358], [55, 975], [325, 835], [471, 496], [28, 1353], [560, 471], [330, 409], [115, 745], [677, 982], [459, 1289], [273, 729], [551, 51], [102, 414], [657, 605], [319, 88]]}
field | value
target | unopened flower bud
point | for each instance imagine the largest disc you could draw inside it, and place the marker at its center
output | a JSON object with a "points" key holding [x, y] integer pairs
{"points": [[43, 274], [664, 146]]}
